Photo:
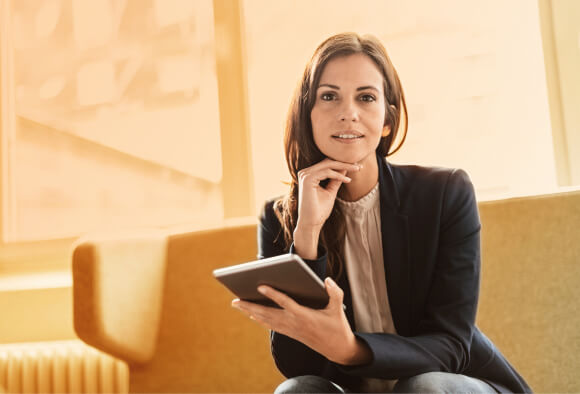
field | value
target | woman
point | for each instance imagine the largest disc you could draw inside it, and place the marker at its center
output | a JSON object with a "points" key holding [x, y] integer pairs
{"points": [[398, 245]]}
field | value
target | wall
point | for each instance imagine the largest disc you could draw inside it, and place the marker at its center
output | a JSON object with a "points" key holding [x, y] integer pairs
{"points": [[476, 92], [560, 22], [475, 84], [39, 313]]}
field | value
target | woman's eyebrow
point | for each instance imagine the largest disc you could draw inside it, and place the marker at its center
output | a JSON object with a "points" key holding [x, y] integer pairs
{"points": [[358, 89], [368, 87], [329, 86]]}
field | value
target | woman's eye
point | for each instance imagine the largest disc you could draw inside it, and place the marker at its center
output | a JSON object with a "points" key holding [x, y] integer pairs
{"points": [[327, 96], [367, 97]]}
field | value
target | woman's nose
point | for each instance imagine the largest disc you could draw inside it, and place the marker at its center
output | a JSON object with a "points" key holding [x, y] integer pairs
{"points": [[348, 111]]}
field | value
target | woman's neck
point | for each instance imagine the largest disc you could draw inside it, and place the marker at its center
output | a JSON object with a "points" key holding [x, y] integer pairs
{"points": [[362, 182]]}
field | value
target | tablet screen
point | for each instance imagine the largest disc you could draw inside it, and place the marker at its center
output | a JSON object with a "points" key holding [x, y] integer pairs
{"points": [[287, 273]]}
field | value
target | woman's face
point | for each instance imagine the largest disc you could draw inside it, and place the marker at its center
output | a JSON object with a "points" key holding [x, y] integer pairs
{"points": [[349, 112]]}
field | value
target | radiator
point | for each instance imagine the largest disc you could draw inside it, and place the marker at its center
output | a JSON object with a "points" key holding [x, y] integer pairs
{"points": [[60, 367]]}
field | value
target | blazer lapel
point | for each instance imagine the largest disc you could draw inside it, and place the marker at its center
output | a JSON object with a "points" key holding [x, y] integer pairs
{"points": [[395, 237]]}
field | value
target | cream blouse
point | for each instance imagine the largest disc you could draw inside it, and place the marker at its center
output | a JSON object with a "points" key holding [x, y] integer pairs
{"points": [[363, 253]]}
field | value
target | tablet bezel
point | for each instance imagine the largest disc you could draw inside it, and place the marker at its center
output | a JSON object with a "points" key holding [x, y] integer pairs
{"points": [[287, 273]]}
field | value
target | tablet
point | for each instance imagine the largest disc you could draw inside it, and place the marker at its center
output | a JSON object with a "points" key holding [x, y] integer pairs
{"points": [[287, 273]]}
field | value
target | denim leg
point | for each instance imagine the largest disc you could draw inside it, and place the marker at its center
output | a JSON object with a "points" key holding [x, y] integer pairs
{"points": [[442, 382], [308, 384]]}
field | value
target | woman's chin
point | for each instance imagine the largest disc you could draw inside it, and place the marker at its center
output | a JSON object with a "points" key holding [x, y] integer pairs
{"points": [[346, 158]]}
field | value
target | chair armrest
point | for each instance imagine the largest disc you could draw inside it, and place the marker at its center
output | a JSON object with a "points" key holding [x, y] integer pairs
{"points": [[117, 293]]}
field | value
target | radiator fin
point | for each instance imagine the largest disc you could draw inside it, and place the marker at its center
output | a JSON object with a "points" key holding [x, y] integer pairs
{"points": [[60, 367]]}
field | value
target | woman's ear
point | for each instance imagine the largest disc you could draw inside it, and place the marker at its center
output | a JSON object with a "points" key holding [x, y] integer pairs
{"points": [[386, 131], [391, 111]]}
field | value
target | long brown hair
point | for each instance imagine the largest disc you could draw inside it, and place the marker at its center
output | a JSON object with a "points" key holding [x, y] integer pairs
{"points": [[300, 149]]}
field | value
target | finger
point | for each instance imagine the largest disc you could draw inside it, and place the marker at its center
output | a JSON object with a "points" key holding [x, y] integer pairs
{"points": [[334, 184], [328, 173], [257, 317], [318, 175], [253, 309], [329, 164], [271, 318], [338, 176], [335, 293], [237, 304], [279, 298]]}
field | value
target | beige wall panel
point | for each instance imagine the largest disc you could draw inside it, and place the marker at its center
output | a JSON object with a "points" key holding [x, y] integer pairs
{"points": [[30, 315], [566, 25], [475, 83]]}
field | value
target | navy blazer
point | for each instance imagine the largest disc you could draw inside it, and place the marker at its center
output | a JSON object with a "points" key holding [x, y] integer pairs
{"points": [[431, 249]]}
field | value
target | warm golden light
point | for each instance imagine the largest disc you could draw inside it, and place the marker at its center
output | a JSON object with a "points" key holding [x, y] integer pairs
{"points": [[116, 116]]}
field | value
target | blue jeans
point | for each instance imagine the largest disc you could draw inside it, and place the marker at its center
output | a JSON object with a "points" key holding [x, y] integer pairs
{"points": [[431, 382]]}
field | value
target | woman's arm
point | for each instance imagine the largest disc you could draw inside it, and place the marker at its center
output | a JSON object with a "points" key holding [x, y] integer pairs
{"points": [[291, 357], [332, 335]]}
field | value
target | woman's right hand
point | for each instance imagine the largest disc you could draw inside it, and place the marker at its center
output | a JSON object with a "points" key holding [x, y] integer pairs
{"points": [[315, 202]]}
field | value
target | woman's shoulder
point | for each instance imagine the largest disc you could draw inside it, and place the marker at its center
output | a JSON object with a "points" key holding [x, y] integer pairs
{"points": [[430, 176], [270, 233], [441, 192], [269, 205], [434, 173], [428, 185], [268, 213]]}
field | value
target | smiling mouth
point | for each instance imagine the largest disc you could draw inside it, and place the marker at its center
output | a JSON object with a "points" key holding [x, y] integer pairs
{"points": [[347, 136]]}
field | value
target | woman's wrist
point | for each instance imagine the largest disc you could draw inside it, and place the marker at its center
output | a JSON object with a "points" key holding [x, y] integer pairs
{"points": [[359, 354], [306, 241]]}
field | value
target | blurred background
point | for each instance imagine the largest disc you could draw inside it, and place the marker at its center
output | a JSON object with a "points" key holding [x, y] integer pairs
{"points": [[163, 113]]}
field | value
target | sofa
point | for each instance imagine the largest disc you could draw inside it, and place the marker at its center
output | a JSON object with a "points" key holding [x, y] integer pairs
{"points": [[530, 294], [150, 299]]}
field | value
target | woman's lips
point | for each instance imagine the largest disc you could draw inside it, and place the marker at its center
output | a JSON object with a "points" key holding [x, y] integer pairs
{"points": [[351, 139]]}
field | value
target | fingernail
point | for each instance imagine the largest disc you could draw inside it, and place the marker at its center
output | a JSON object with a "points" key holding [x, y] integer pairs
{"points": [[261, 289], [330, 282]]}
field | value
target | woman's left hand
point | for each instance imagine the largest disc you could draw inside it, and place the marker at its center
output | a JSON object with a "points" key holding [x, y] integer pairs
{"points": [[324, 330]]}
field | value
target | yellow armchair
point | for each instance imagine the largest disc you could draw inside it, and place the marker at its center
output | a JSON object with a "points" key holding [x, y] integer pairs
{"points": [[151, 300]]}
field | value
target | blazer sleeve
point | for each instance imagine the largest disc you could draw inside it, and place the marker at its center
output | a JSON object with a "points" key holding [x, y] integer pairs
{"points": [[291, 357], [442, 338]]}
